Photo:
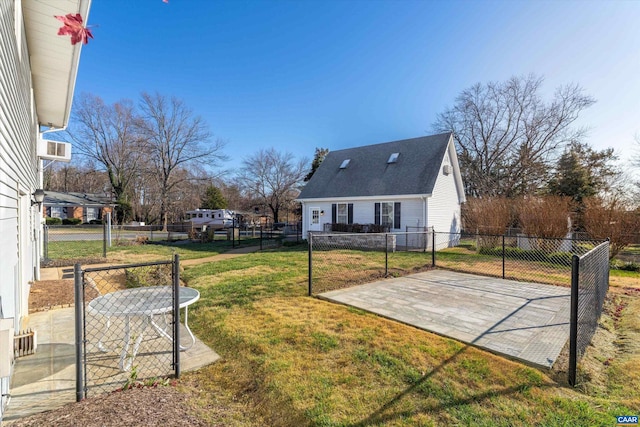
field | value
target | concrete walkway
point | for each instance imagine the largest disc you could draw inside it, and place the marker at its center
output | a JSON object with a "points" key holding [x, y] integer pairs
{"points": [[525, 321], [46, 380]]}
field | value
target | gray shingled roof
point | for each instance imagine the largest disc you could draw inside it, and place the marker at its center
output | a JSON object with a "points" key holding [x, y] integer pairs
{"points": [[55, 198], [368, 173]]}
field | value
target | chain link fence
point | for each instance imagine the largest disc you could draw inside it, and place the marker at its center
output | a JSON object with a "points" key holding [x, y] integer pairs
{"points": [[338, 260], [67, 241], [520, 257], [589, 285], [127, 325], [67, 244]]}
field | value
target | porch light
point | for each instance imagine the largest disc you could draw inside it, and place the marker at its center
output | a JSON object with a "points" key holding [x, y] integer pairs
{"points": [[38, 197]]}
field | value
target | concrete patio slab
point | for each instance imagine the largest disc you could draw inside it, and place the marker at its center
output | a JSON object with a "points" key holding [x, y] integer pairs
{"points": [[525, 321]]}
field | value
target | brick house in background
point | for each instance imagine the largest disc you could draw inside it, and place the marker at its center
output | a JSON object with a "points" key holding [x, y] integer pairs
{"points": [[86, 207]]}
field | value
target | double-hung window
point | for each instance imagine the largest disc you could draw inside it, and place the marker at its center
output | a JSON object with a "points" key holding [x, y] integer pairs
{"points": [[342, 213], [56, 212], [92, 213], [387, 214]]}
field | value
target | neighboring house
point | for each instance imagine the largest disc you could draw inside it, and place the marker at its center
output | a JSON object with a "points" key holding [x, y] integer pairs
{"points": [[86, 207], [37, 78], [402, 185]]}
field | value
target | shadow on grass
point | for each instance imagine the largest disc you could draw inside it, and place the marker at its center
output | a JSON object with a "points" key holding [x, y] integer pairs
{"points": [[379, 417]]}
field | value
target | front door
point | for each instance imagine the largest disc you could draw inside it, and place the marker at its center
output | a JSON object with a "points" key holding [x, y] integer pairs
{"points": [[314, 219]]}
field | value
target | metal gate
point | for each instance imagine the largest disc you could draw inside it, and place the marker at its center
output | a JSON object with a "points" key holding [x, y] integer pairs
{"points": [[127, 325]]}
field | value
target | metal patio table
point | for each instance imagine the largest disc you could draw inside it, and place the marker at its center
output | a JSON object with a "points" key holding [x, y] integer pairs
{"points": [[144, 303]]}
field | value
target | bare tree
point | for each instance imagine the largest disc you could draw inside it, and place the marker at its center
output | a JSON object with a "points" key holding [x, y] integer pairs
{"points": [[489, 215], [635, 160], [611, 219], [175, 139], [271, 177], [508, 137], [76, 177], [108, 136], [545, 217]]}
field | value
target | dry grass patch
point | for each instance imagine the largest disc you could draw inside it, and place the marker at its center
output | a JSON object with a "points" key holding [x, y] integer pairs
{"points": [[340, 366]]}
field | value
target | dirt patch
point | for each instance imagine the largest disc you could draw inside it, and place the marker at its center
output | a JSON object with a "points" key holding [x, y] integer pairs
{"points": [[153, 406], [49, 294]]}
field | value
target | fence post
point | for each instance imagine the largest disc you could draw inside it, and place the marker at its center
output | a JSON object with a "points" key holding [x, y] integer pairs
{"points": [[386, 254], [46, 242], [176, 314], [104, 239], [573, 320], [425, 239], [233, 233], [310, 239], [79, 330], [503, 260], [109, 229], [433, 247], [260, 236]]}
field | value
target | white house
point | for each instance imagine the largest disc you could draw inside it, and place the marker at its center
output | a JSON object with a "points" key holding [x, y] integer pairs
{"points": [[403, 185], [37, 79]]}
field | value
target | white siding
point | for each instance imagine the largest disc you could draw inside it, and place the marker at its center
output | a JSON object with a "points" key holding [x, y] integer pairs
{"points": [[412, 212], [363, 212], [18, 170], [324, 219], [444, 205]]}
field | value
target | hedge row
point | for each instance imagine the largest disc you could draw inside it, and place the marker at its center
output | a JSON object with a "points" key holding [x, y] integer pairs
{"points": [[561, 258], [69, 221], [359, 228]]}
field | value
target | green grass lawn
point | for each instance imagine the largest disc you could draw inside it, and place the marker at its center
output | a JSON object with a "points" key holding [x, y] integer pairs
{"points": [[128, 251], [296, 360]]}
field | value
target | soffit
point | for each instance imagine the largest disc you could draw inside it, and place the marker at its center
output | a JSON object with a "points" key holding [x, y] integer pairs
{"points": [[54, 61]]}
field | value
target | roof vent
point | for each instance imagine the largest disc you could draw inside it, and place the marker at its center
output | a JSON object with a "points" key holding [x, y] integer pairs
{"points": [[393, 158], [345, 163], [446, 169]]}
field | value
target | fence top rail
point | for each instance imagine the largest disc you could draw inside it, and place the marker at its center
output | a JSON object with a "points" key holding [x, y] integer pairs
{"points": [[124, 266], [72, 226], [597, 248], [573, 239]]}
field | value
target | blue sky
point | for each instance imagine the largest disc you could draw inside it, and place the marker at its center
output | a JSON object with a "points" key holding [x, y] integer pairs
{"points": [[296, 75]]}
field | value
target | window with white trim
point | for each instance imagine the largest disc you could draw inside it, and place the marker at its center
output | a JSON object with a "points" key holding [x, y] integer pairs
{"points": [[56, 212], [92, 213], [387, 214], [342, 213]]}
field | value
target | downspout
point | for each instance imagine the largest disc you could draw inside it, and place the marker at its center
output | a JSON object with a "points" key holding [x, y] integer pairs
{"points": [[424, 211], [40, 184]]}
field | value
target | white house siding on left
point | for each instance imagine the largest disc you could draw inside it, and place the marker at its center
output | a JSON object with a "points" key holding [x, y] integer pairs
{"points": [[18, 170]]}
